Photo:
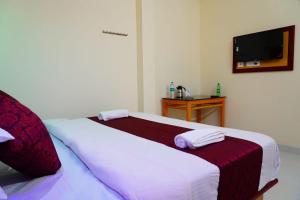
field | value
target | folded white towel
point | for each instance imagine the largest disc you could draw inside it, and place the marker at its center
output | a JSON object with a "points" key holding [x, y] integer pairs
{"points": [[5, 136], [113, 114], [198, 138]]}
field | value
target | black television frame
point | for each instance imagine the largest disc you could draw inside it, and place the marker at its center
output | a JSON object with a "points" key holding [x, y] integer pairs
{"points": [[288, 67]]}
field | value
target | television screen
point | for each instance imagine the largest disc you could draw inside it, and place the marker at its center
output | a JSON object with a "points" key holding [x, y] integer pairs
{"points": [[265, 45]]}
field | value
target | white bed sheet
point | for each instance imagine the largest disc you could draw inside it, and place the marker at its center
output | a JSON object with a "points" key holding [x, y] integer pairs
{"points": [[271, 155], [73, 181], [137, 168]]}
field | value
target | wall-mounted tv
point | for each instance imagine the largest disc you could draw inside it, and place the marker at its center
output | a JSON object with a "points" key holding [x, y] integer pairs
{"points": [[266, 45]]}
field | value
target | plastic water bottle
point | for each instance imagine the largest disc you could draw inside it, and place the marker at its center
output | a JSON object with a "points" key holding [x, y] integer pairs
{"points": [[218, 90], [172, 90]]}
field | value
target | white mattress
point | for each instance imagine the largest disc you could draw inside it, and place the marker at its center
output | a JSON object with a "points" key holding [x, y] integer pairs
{"points": [[74, 181]]}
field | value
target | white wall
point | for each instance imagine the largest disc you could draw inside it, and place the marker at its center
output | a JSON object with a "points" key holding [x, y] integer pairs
{"points": [[264, 102], [171, 48], [54, 58]]}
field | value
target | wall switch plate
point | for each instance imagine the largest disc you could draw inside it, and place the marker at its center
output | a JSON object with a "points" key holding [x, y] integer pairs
{"points": [[253, 64]]}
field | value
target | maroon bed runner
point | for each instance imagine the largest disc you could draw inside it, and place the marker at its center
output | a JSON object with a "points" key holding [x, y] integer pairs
{"points": [[239, 160]]}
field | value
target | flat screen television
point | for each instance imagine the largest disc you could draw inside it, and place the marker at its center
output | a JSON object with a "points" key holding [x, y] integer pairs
{"points": [[266, 45]]}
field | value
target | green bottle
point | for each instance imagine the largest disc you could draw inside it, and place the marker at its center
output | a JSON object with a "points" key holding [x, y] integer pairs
{"points": [[218, 90]]}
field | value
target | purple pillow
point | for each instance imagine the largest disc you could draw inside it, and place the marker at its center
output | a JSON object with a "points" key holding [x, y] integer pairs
{"points": [[32, 151]]}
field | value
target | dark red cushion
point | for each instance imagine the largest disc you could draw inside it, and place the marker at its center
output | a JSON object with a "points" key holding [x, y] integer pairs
{"points": [[32, 151]]}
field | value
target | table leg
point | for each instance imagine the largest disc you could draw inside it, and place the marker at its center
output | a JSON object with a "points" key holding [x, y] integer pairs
{"points": [[188, 112], [222, 114], [164, 109], [199, 118]]}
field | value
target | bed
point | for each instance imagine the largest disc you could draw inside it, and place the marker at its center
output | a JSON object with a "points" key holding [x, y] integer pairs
{"points": [[78, 179]]}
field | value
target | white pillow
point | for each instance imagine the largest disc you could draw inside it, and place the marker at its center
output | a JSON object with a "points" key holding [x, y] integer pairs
{"points": [[2, 194], [5, 136]]}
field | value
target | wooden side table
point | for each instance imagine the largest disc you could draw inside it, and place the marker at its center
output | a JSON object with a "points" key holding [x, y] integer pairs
{"points": [[194, 103]]}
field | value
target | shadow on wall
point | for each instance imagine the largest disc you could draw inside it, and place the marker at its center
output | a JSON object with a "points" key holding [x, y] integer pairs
{"points": [[212, 118]]}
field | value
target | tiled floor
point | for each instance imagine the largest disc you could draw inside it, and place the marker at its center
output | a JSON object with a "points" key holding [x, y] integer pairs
{"points": [[288, 187]]}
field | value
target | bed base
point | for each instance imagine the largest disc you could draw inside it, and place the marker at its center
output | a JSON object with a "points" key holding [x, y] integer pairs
{"points": [[260, 198], [260, 194]]}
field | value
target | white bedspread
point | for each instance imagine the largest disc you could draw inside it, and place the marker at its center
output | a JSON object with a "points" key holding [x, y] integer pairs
{"points": [[135, 167], [141, 169]]}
